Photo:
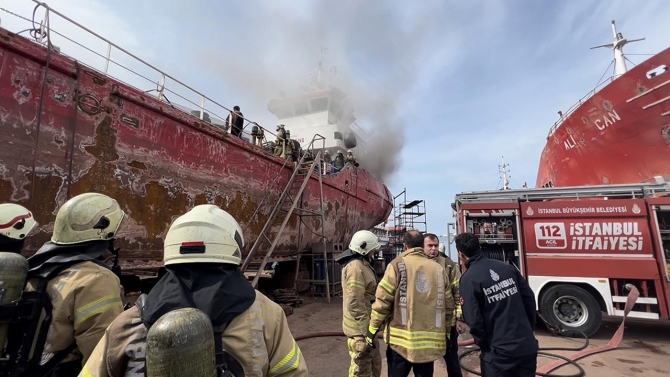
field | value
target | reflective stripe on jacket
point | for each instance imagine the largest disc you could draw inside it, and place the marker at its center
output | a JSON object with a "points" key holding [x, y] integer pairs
{"points": [[411, 295], [358, 286]]}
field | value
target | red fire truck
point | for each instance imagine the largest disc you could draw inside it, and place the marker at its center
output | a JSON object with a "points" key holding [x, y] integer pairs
{"points": [[579, 247]]}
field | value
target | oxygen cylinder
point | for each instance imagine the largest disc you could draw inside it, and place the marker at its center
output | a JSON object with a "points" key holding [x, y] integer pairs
{"points": [[181, 343], [13, 273]]}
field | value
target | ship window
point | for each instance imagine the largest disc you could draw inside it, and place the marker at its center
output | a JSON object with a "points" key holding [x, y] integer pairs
{"points": [[300, 108], [657, 71], [338, 135], [319, 104], [282, 112]]}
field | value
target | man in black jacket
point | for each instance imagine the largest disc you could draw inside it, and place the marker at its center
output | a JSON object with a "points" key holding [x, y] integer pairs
{"points": [[499, 307]]}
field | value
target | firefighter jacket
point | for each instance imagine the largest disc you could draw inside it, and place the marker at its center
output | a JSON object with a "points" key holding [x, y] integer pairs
{"points": [[499, 308], [411, 297], [86, 298], [259, 339], [453, 295], [281, 135], [359, 282], [339, 161]]}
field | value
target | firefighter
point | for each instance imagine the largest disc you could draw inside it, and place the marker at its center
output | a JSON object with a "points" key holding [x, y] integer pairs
{"points": [[16, 222], [235, 122], [339, 161], [202, 253], [257, 135], [288, 147], [279, 142], [350, 157], [454, 272], [85, 294], [411, 296], [359, 282], [497, 302], [328, 162]]}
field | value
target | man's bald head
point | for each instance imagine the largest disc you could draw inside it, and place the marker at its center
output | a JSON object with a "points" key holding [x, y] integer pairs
{"points": [[412, 239]]}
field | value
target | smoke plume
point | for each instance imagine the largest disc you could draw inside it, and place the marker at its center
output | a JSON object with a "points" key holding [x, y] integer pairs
{"points": [[371, 50]]}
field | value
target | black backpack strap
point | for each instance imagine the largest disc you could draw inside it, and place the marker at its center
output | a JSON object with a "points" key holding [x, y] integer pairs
{"points": [[226, 364]]}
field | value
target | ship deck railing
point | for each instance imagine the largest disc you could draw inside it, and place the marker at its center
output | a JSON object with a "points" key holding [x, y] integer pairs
{"points": [[133, 70], [581, 101]]}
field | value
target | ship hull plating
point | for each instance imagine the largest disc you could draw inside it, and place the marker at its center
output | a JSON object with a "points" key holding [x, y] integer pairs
{"points": [[77, 130], [619, 135]]}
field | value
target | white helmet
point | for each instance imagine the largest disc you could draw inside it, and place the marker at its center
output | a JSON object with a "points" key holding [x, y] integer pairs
{"points": [[16, 221], [349, 151], [205, 234], [87, 217], [363, 242], [442, 248]]}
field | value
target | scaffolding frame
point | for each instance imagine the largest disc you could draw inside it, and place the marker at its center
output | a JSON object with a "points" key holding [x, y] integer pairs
{"points": [[407, 215]]}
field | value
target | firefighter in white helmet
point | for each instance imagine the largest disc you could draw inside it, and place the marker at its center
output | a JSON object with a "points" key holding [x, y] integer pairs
{"points": [[16, 222], [202, 253], [85, 294], [359, 283]]}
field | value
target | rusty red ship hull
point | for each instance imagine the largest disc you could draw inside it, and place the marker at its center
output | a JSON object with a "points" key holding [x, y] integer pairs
{"points": [[76, 130], [621, 134]]}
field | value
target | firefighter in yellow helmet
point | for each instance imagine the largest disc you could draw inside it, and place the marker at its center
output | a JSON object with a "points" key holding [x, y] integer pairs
{"points": [[410, 297], [16, 222], [85, 294], [202, 253], [359, 282]]}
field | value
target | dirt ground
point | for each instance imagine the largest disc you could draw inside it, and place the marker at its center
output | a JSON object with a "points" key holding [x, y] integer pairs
{"points": [[644, 350]]}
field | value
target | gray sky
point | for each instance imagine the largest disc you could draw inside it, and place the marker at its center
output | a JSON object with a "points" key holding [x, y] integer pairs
{"points": [[446, 87]]}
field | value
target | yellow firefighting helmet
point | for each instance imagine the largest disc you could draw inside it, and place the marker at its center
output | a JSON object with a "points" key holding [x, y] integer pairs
{"points": [[442, 248], [16, 221], [363, 242], [205, 234], [87, 217]]}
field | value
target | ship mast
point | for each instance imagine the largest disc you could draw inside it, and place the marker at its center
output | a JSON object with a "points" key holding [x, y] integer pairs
{"points": [[504, 174], [617, 47]]}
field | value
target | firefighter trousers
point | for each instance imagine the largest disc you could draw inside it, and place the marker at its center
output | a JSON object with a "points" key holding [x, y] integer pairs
{"points": [[399, 367], [365, 361], [496, 366], [451, 357]]}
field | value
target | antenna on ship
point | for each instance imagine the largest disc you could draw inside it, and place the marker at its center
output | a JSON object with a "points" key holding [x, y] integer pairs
{"points": [[504, 174], [617, 47]]}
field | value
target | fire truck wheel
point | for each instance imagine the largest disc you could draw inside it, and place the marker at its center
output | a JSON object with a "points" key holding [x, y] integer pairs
{"points": [[572, 308]]}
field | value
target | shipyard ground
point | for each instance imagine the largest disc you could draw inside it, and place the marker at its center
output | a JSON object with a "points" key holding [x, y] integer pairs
{"points": [[644, 350]]}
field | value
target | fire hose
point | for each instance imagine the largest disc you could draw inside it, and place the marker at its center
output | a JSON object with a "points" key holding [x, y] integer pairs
{"points": [[545, 369]]}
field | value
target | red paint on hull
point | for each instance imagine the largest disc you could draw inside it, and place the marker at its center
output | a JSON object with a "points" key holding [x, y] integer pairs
{"points": [[621, 134], [98, 134]]}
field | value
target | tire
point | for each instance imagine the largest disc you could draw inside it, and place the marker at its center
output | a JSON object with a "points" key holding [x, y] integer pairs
{"points": [[571, 308]]}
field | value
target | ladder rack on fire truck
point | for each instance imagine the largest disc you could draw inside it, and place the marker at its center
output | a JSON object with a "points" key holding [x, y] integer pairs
{"points": [[636, 190]]}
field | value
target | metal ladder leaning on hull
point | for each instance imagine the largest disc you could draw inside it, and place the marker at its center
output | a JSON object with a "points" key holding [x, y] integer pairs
{"points": [[288, 203]]}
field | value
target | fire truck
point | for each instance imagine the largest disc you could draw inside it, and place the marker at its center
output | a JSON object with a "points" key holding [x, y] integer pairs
{"points": [[579, 248]]}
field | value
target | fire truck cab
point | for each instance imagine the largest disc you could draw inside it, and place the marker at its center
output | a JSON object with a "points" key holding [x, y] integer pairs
{"points": [[579, 248]]}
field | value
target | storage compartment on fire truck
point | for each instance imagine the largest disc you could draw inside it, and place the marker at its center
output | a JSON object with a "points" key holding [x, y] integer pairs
{"points": [[498, 234], [663, 216]]}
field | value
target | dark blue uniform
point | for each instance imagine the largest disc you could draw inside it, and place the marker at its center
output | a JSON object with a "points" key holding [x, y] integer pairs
{"points": [[499, 307]]}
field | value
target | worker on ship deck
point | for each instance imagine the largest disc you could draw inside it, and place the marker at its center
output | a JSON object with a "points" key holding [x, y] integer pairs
{"points": [[492, 316], [257, 135], [339, 161], [279, 142], [410, 300], [328, 162], [16, 222], [202, 253], [359, 283], [235, 122], [350, 158]]}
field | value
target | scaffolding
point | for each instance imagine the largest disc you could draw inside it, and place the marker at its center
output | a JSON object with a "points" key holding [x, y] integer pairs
{"points": [[407, 215]]}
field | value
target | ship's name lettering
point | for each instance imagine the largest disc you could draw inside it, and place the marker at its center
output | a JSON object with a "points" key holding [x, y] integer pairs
{"points": [[607, 120]]}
